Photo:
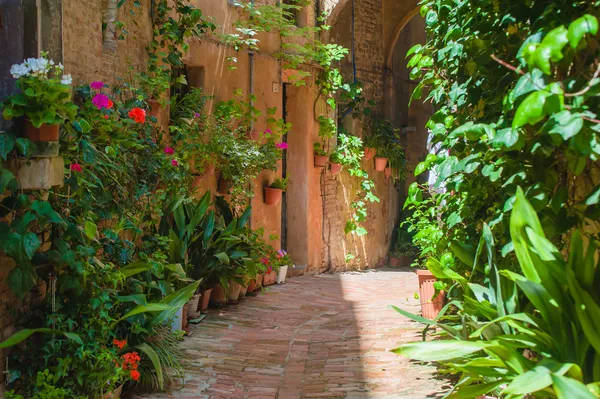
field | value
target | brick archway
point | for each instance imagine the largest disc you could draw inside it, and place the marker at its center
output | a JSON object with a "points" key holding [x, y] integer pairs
{"points": [[396, 35]]}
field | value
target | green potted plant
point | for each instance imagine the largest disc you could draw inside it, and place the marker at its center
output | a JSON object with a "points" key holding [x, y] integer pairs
{"points": [[45, 98], [404, 251], [336, 160], [283, 261], [275, 190], [320, 155], [371, 142], [381, 160]]}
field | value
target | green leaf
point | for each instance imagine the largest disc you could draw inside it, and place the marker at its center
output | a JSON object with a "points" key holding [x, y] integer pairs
{"points": [[7, 143], [151, 307], [22, 279], [440, 350], [476, 390], [135, 268], [6, 177], [31, 243], [22, 335], [531, 110], [155, 359], [90, 229], [175, 301], [569, 388], [578, 28]]}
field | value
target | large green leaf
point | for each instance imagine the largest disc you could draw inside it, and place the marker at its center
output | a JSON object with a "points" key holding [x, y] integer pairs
{"points": [[149, 308], [155, 359], [588, 24], [569, 388], [440, 350], [22, 335], [7, 143], [135, 268], [175, 301], [476, 390]]}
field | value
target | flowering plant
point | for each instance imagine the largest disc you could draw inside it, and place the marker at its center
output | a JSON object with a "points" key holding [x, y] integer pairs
{"points": [[280, 184], [45, 93], [281, 258]]}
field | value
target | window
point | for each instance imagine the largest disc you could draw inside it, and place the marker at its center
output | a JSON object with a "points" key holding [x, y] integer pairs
{"points": [[195, 76]]}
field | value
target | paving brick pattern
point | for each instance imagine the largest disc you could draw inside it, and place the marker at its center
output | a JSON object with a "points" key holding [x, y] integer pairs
{"points": [[325, 336]]}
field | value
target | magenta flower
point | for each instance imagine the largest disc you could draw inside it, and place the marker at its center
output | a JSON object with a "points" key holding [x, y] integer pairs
{"points": [[169, 151], [97, 85], [75, 167], [174, 162], [101, 101], [282, 146], [196, 115], [268, 131]]}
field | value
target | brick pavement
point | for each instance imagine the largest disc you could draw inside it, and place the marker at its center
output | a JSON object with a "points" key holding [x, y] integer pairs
{"points": [[326, 336]]}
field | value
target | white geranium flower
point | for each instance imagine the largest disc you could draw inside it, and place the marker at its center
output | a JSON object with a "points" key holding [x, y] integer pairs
{"points": [[66, 80], [43, 64], [19, 70], [33, 64]]}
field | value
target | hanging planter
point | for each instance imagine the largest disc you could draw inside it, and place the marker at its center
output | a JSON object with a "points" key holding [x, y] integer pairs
{"points": [[380, 164], [224, 186], [388, 172], [320, 161], [335, 168], [43, 133], [430, 306], [370, 153], [273, 195]]}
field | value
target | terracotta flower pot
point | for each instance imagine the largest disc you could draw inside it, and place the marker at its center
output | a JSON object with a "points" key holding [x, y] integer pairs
{"points": [[320, 161], [224, 186], [394, 262], [259, 281], [430, 307], [155, 108], [115, 394], [234, 291], [217, 297], [380, 164], [43, 133], [269, 279], [388, 172], [335, 168], [251, 286], [370, 153], [209, 169], [192, 306], [204, 299], [243, 291], [272, 195]]}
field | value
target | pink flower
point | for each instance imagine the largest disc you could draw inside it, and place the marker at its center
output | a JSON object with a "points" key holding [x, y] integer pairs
{"points": [[75, 167], [196, 115], [282, 146], [101, 101], [268, 131], [264, 261], [174, 162], [169, 151], [97, 85]]}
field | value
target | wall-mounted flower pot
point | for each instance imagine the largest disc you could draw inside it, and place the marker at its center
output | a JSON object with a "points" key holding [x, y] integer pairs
{"points": [[43, 133], [380, 164], [335, 168], [370, 153], [320, 161], [269, 279], [224, 186], [281, 274], [234, 291], [204, 299], [218, 297], [193, 311], [430, 306], [388, 172], [272, 195]]}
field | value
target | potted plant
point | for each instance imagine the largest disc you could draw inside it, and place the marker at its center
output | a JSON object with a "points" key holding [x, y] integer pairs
{"points": [[387, 172], [282, 261], [371, 142], [270, 275], [320, 156], [275, 190], [431, 304], [45, 98], [404, 251], [381, 160], [205, 295], [335, 160]]}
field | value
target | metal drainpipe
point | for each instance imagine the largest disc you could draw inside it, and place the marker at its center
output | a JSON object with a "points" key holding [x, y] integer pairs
{"points": [[251, 102]]}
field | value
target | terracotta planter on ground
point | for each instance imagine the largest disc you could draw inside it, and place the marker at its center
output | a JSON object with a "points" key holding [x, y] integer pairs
{"points": [[320, 161], [204, 299], [380, 164], [259, 281], [243, 291], [209, 169], [335, 168], [430, 307], [251, 287], [394, 262], [234, 291], [272, 195], [217, 297], [193, 311], [269, 279], [116, 394], [224, 186], [388, 172], [43, 133], [370, 153]]}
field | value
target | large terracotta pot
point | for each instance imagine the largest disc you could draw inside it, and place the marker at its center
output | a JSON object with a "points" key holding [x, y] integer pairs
{"points": [[430, 307], [272, 195], [224, 185], [217, 297], [388, 172], [251, 286], [335, 168], [269, 279], [204, 300], [394, 262], [370, 153], [43, 133], [259, 281], [320, 161], [234, 291], [209, 169], [243, 291], [380, 164]]}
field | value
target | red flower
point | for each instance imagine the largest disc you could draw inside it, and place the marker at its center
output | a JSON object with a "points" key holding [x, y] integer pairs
{"points": [[110, 104], [135, 375], [138, 115], [105, 116], [269, 269], [169, 151], [120, 344], [174, 162], [75, 167]]}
